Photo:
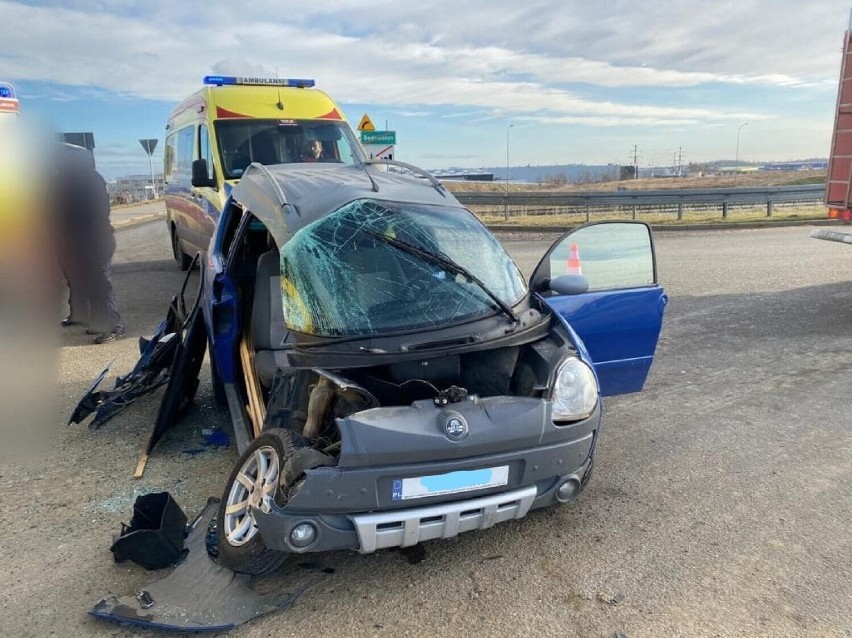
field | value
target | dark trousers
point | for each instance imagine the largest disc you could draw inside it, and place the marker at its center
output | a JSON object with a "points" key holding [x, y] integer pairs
{"points": [[91, 298], [103, 306]]}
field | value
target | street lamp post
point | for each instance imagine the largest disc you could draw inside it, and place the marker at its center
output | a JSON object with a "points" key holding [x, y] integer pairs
{"points": [[506, 201], [737, 155]]}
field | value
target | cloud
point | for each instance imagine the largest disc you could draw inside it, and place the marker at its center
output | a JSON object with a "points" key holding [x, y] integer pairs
{"points": [[528, 60], [586, 77]]}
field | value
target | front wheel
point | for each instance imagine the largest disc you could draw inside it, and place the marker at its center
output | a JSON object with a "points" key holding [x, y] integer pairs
{"points": [[254, 477]]}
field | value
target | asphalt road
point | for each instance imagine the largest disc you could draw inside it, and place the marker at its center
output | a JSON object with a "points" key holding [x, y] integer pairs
{"points": [[721, 503]]}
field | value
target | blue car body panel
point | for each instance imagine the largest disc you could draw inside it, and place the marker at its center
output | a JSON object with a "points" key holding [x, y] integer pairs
{"points": [[619, 331], [220, 305]]}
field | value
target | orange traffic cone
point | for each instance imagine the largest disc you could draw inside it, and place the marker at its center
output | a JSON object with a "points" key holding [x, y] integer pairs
{"points": [[572, 266]]}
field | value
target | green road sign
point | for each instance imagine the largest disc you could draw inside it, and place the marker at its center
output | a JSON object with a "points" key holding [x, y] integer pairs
{"points": [[378, 137]]}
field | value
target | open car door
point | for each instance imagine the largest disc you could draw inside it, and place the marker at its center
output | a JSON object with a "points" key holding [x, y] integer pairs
{"points": [[601, 279]]}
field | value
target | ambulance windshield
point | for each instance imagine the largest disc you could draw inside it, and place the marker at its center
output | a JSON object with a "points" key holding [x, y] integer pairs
{"points": [[285, 141]]}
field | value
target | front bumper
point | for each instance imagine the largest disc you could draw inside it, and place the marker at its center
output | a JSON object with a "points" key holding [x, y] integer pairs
{"points": [[534, 477]]}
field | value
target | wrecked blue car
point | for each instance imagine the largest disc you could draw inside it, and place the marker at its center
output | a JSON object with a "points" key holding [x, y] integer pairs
{"points": [[390, 375]]}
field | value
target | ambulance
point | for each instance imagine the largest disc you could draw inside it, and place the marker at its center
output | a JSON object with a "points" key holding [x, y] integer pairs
{"points": [[214, 135], [8, 104]]}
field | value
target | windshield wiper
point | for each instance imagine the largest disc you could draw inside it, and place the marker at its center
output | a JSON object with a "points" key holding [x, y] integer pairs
{"points": [[444, 261]]}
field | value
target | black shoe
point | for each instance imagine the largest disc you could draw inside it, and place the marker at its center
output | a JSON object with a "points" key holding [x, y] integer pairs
{"points": [[106, 337], [68, 322]]}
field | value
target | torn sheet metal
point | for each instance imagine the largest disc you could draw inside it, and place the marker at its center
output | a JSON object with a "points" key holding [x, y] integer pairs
{"points": [[183, 376], [149, 373], [152, 370], [199, 595]]}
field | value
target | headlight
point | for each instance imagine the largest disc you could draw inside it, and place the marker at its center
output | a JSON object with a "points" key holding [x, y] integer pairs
{"points": [[575, 391]]}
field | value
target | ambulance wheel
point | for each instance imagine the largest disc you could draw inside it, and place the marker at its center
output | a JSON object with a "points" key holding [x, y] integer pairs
{"points": [[183, 260], [254, 477]]}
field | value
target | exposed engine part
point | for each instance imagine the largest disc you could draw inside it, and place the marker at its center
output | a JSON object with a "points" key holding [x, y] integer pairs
{"points": [[453, 394], [332, 397], [322, 394]]}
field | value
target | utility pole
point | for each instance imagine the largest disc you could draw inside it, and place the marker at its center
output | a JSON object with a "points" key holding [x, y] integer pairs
{"points": [[679, 159], [635, 161], [506, 202], [737, 154]]}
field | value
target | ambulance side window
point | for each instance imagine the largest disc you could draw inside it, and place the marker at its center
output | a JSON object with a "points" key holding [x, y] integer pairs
{"points": [[182, 172], [204, 150], [169, 157]]}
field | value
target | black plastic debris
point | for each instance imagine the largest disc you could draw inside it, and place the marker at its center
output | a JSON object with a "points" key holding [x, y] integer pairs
{"points": [[199, 595], [159, 357], [154, 539]]}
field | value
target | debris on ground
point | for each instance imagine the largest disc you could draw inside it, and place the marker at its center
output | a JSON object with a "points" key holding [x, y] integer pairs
{"points": [[154, 539], [198, 595], [610, 599]]}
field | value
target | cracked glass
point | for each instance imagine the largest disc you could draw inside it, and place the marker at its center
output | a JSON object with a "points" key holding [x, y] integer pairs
{"points": [[341, 277]]}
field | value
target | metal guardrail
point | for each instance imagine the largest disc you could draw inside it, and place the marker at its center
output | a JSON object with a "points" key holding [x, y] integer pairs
{"points": [[637, 201], [740, 195]]}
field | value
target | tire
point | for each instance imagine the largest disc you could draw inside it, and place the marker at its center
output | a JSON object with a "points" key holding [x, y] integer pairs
{"points": [[183, 260], [240, 545]]}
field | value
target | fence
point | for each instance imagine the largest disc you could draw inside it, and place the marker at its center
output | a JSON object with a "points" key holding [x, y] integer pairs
{"points": [[675, 202]]}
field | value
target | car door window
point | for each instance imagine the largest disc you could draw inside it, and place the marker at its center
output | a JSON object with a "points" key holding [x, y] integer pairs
{"points": [[610, 256]]}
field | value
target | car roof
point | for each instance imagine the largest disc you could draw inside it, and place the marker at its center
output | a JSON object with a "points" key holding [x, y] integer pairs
{"points": [[287, 197]]}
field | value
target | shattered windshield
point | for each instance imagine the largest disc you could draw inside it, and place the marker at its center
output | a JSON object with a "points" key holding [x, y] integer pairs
{"points": [[340, 279], [285, 141]]}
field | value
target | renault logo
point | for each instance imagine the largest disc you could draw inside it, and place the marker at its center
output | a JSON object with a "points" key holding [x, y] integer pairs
{"points": [[455, 427]]}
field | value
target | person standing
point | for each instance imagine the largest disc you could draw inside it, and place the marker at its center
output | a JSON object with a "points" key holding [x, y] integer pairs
{"points": [[86, 244]]}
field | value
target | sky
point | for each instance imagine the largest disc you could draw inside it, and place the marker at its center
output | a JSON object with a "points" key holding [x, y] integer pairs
{"points": [[578, 81]]}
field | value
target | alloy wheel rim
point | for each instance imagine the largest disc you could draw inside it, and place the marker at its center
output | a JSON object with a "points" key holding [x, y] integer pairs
{"points": [[257, 479]]}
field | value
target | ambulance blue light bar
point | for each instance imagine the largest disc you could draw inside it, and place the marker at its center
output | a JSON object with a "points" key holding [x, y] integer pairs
{"points": [[222, 80], [7, 91]]}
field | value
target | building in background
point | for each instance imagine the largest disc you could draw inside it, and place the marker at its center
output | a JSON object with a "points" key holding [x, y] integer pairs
{"points": [[134, 188]]}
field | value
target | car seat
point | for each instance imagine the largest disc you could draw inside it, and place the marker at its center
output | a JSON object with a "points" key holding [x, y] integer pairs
{"points": [[268, 332], [376, 274]]}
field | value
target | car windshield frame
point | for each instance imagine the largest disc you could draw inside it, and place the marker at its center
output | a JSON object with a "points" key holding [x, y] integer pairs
{"points": [[241, 141], [338, 280]]}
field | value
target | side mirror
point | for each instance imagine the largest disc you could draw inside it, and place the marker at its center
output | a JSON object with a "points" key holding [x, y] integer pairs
{"points": [[569, 284], [200, 176]]}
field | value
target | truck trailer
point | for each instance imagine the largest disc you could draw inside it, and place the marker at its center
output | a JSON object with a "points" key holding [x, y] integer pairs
{"points": [[838, 186]]}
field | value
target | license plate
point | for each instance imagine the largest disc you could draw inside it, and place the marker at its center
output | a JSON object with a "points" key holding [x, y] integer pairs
{"points": [[449, 483]]}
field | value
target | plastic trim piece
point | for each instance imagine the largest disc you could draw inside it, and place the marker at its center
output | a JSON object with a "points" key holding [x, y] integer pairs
{"points": [[403, 528]]}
